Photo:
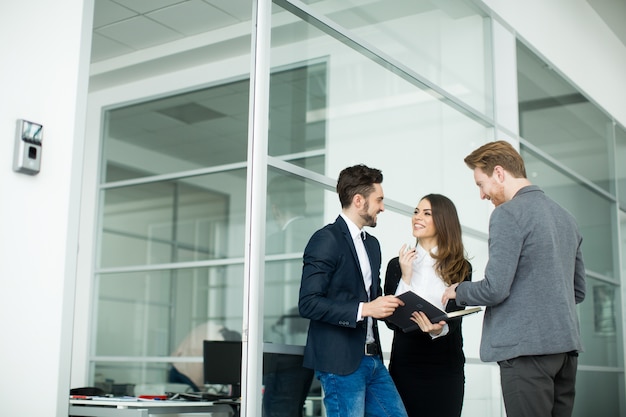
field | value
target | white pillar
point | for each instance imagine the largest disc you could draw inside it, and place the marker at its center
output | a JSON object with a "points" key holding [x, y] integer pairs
{"points": [[44, 47], [258, 127]]}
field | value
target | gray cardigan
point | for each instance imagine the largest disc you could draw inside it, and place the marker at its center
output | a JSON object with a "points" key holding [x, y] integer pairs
{"points": [[533, 280]]}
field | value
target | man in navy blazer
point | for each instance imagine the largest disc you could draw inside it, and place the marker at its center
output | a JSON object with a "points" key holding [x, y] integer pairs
{"points": [[341, 295]]}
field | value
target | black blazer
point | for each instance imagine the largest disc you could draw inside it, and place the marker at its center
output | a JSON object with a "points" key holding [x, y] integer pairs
{"points": [[330, 292], [417, 348]]}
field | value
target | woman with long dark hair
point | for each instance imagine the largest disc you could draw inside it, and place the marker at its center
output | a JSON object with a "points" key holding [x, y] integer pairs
{"points": [[427, 365]]}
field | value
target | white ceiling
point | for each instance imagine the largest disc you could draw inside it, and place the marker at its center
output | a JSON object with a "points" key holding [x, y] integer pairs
{"points": [[125, 26]]}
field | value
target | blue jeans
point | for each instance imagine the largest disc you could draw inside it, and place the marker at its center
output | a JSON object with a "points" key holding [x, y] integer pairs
{"points": [[369, 391]]}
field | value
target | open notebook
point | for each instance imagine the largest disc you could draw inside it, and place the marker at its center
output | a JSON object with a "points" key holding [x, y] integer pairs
{"points": [[413, 302]]}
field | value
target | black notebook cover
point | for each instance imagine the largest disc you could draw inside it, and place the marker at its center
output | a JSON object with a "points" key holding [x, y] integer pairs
{"points": [[413, 302]]}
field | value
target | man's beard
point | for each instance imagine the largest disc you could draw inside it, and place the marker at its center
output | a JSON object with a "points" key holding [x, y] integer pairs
{"points": [[368, 219]]}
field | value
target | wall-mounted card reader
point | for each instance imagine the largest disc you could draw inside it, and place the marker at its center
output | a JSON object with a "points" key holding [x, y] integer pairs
{"points": [[28, 143]]}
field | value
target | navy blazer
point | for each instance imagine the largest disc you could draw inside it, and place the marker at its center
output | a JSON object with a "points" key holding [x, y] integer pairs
{"points": [[330, 292]]}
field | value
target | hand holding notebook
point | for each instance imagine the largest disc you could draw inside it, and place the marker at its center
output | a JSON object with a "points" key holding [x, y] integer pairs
{"points": [[413, 302]]}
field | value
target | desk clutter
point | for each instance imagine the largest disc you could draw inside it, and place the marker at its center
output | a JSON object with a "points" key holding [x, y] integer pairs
{"points": [[133, 407], [96, 394], [81, 405], [199, 396]]}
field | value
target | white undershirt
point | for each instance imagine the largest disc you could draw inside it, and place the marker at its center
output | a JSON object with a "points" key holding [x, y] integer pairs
{"points": [[425, 282], [366, 270]]}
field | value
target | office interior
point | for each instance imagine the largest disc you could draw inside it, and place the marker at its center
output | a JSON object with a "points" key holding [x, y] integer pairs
{"points": [[182, 137]]}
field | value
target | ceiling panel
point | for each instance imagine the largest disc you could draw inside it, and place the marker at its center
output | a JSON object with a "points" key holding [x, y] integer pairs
{"points": [[107, 12], [139, 32], [240, 10], [192, 17], [146, 6], [105, 48]]}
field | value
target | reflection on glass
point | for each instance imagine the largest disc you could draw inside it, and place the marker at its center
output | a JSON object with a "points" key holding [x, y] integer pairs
{"points": [[297, 110], [598, 394], [173, 221], [371, 112], [604, 323], [620, 166], [444, 42], [149, 313], [167, 313], [597, 230], [294, 212], [559, 120], [132, 378], [192, 373], [187, 216], [597, 325], [622, 226], [209, 127], [132, 317], [312, 163], [183, 132]]}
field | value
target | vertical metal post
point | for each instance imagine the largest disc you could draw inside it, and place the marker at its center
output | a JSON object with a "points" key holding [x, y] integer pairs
{"points": [[255, 209]]}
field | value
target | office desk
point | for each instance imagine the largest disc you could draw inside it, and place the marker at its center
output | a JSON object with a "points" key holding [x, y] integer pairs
{"points": [[125, 408]]}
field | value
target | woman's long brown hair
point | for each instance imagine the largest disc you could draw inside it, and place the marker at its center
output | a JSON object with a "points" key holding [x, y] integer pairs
{"points": [[450, 260]]}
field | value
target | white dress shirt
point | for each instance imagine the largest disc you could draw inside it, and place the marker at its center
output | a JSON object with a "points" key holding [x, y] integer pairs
{"points": [[425, 282], [366, 270]]}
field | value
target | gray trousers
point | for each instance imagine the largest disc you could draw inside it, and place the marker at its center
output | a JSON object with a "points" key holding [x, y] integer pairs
{"points": [[539, 386]]}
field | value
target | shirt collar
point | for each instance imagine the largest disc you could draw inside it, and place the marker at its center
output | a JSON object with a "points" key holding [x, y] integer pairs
{"points": [[354, 230], [527, 189], [421, 250]]}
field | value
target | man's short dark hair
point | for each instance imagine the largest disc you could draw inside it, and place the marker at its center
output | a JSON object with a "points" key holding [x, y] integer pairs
{"points": [[357, 179]]}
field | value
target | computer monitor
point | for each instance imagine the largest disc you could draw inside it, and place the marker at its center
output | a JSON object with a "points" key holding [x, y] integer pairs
{"points": [[222, 364]]}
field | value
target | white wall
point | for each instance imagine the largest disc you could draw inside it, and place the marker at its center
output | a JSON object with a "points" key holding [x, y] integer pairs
{"points": [[43, 78], [570, 35]]}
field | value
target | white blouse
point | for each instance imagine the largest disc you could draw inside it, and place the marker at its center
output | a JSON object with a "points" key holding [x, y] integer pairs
{"points": [[425, 282]]}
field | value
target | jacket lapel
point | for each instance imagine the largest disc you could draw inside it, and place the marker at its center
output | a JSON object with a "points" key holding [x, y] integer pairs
{"points": [[346, 234]]}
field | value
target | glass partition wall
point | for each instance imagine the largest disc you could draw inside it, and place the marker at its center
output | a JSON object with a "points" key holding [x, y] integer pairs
{"points": [[571, 148], [406, 89]]}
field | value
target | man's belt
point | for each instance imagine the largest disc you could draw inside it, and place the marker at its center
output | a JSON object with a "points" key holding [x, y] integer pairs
{"points": [[371, 349]]}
